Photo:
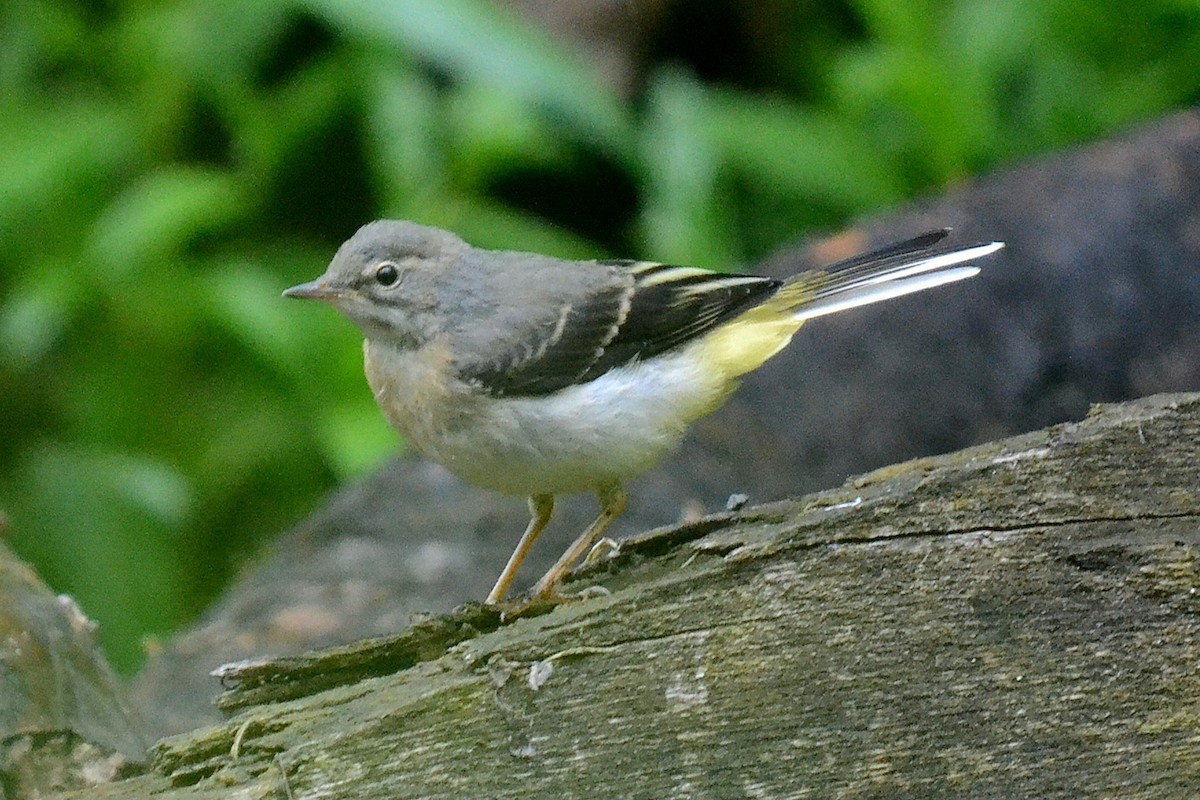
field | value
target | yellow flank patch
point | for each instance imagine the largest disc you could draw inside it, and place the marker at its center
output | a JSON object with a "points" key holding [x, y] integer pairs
{"points": [[742, 345], [745, 343]]}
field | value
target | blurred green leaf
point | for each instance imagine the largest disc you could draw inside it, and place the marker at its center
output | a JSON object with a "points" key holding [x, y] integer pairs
{"points": [[155, 217], [683, 205], [486, 44], [36, 33], [207, 41], [246, 300], [35, 316], [106, 520], [800, 153], [54, 160], [405, 133], [492, 131], [899, 24], [355, 438], [273, 128]]}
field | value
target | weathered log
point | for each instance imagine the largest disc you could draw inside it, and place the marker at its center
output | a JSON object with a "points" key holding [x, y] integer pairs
{"points": [[1016, 619], [65, 721]]}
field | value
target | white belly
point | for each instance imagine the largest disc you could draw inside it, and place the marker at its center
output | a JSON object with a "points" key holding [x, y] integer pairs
{"points": [[614, 427]]}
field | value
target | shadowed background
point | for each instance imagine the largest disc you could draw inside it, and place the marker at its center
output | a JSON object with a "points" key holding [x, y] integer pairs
{"points": [[168, 168]]}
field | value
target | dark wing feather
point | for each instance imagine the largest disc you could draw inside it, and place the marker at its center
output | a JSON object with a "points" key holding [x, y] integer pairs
{"points": [[671, 306], [653, 309], [553, 353]]}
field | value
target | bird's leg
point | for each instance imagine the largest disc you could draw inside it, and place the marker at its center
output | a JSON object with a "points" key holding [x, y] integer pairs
{"points": [[612, 499], [541, 506]]}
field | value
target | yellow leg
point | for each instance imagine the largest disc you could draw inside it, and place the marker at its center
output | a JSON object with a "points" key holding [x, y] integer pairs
{"points": [[612, 499], [541, 506]]}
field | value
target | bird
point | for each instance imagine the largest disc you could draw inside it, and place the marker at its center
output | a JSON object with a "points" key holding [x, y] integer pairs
{"points": [[537, 377]]}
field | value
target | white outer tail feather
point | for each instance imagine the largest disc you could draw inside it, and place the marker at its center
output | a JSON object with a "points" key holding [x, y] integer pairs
{"points": [[916, 277]]}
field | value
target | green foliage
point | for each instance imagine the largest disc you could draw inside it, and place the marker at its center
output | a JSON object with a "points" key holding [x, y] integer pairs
{"points": [[169, 167]]}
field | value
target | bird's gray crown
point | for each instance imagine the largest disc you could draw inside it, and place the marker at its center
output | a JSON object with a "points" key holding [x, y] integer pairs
{"points": [[396, 240]]}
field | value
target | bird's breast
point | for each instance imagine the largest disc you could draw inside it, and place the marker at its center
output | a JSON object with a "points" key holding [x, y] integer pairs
{"points": [[415, 390]]}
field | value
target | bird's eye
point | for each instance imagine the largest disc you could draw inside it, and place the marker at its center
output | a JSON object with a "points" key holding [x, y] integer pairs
{"points": [[386, 274]]}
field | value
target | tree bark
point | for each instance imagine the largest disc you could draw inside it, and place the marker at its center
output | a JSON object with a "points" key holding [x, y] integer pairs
{"points": [[1019, 618]]}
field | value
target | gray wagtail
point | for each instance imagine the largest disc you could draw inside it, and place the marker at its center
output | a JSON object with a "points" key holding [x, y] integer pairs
{"points": [[535, 376]]}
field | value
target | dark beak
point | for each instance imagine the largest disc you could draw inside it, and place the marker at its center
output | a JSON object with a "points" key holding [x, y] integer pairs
{"points": [[313, 290]]}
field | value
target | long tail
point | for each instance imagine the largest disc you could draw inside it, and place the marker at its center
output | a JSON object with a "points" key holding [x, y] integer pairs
{"points": [[899, 269], [893, 271]]}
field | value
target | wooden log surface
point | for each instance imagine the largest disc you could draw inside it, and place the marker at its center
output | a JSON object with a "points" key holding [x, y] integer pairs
{"points": [[1016, 619], [64, 719]]}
